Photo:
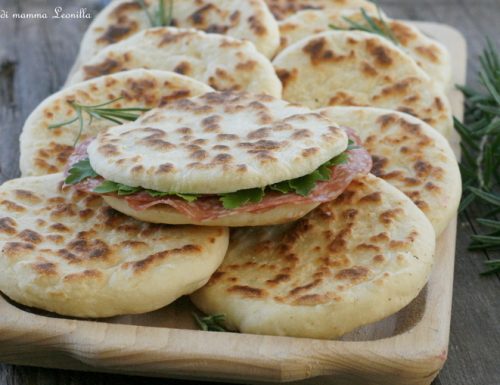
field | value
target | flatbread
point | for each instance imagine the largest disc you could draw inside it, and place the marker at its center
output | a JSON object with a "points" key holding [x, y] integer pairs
{"points": [[243, 19], [162, 213], [282, 9], [353, 68], [222, 62], [70, 253], [350, 262], [410, 155], [430, 55], [45, 151], [217, 143], [274, 208]]}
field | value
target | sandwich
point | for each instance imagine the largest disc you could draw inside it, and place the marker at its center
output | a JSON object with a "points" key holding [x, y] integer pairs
{"points": [[224, 158]]}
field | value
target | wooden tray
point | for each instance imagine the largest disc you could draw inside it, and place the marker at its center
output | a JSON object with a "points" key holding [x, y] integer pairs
{"points": [[408, 348]]}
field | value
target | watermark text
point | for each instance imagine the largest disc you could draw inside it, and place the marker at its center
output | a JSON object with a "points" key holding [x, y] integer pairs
{"points": [[58, 13]]}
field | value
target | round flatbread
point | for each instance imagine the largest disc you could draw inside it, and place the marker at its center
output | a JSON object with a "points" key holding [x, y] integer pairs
{"points": [[46, 151], [353, 68], [244, 19], [69, 253], [232, 159], [222, 62], [273, 207], [348, 263], [429, 54], [282, 9], [410, 155], [216, 143], [162, 213]]}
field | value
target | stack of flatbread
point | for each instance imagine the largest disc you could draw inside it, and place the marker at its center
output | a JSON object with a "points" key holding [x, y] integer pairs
{"points": [[284, 163]]}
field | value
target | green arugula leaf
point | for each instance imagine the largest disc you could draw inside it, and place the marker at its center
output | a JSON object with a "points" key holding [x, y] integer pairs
{"points": [[282, 187], [128, 190], [157, 194], [108, 187], [186, 197], [305, 184], [325, 172], [239, 198], [339, 159], [302, 185], [83, 170], [79, 172], [351, 145]]}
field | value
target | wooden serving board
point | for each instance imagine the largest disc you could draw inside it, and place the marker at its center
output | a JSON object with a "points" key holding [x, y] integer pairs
{"points": [[408, 348]]}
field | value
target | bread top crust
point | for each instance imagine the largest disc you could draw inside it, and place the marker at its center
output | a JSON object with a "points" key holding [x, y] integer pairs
{"points": [[429, 54], [322, 275], [64, 245], [224, 63], [410, 155], [282, 9], [354, 68], [46, 151], [245, 19], [216, 143]]}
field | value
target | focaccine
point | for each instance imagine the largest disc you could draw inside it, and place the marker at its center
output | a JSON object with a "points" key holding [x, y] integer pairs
{"points": [[282, 9], [222, 62], [224, 158], [70, 253], [243, 19], [349, 262], [45, 150], [429, 54], [353, 68], [410, 155]]}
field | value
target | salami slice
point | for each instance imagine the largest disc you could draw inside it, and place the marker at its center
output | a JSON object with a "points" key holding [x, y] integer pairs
{"points": [[210, 207]]}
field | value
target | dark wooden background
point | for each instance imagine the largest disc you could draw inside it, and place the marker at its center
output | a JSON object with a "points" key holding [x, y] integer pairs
{"points": [[35, 56]]}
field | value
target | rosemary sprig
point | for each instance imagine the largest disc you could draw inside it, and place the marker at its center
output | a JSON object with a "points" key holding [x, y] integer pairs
{"points": [[376, 25], [160, 18], [480, 145], [494, 266], [212, 323], [115, 115]]}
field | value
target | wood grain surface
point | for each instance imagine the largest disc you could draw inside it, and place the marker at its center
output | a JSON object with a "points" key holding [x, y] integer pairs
{"points": [[35, 56]]}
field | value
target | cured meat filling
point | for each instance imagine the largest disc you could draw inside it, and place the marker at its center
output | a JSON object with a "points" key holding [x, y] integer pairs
{"points": [[207, 207]]}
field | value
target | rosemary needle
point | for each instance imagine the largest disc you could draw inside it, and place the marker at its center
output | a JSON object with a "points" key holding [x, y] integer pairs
{"points": [[210, 323], [115, 115], [377, 26], [161, 18]]}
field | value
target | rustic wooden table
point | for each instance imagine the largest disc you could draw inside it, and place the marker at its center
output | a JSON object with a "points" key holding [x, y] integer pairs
{"points": [[35, 56]]}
